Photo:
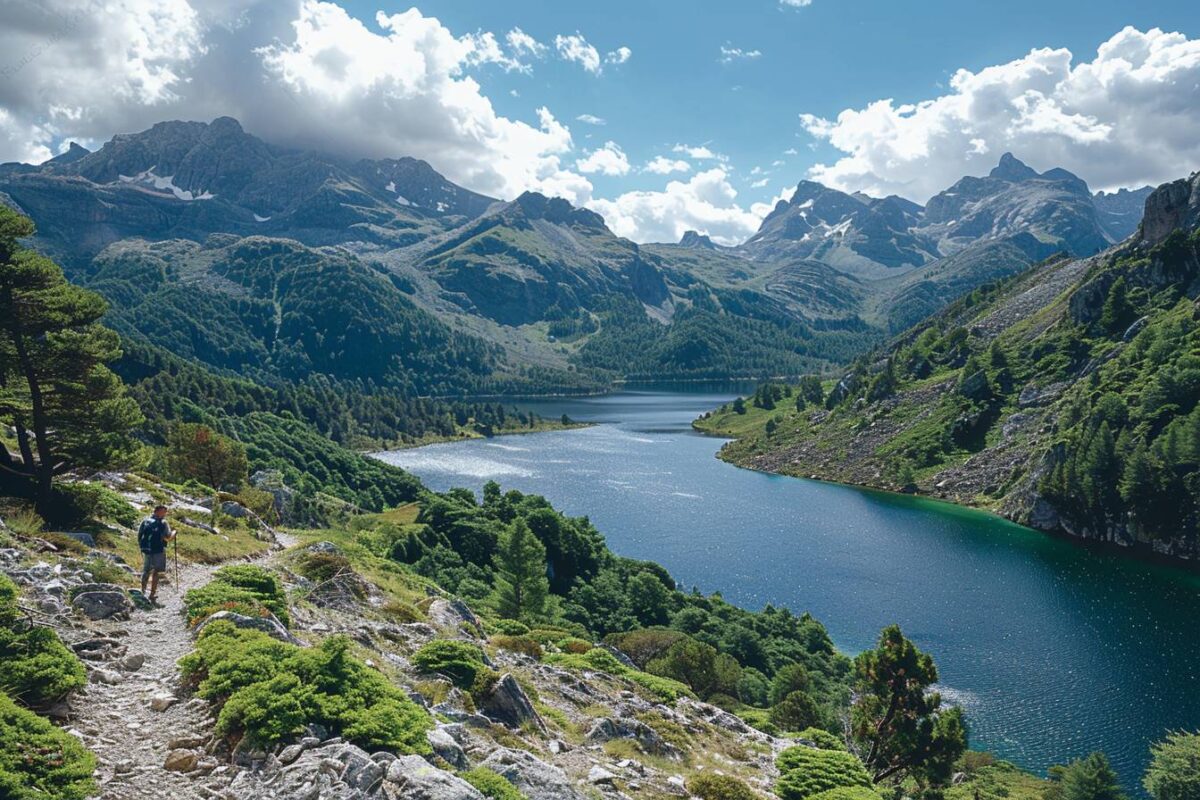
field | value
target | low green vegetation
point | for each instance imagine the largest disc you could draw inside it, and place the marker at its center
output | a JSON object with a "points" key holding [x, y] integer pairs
{"points": [[598, 659], [244, 589], [805, 771], [36, 668], [491, 785], [268, 691], [461, 662], [38, 761], [708, 786]]}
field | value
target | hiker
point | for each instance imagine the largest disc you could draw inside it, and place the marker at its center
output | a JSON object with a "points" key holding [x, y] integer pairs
{"points": [[153, 536]]}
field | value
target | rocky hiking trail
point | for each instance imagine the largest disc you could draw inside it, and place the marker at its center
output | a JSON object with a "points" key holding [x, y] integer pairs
{"points": [[133, 713]]}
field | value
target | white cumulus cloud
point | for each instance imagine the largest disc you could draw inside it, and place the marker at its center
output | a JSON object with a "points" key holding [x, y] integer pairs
{"points": [[591, 119], [795, 3], [730, 54], [618, 56], [576, 48], [698, 152], [661, 165], [706, 203], [522, 44], [1127, 117], [607, 160]]}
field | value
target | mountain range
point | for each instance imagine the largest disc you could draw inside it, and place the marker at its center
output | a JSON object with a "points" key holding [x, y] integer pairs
{"points": [[538, 292]]}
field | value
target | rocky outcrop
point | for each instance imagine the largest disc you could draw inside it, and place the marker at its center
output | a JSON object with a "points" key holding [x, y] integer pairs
{"points": [[101, 601], [267, 624], [648, 739], [532, 776], [1171, 207], [508, 704]]}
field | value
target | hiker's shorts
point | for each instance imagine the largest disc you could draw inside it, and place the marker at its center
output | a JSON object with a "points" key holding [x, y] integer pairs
{"points": [[153, 562]]}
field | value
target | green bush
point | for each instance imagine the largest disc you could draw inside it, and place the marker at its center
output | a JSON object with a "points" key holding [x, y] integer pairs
{"points": [[38, 761], [796, 712], [24, 522], [492, 786], [519, 644], [8, 601], [320, 566], [460, 661], [251, 577], [269, 691], [510, 627], [601, 660], [719, 787], [244, 588], [572, 644], [822, 739], [805, 771], [36, 668], [97, 501], [847, 793]]}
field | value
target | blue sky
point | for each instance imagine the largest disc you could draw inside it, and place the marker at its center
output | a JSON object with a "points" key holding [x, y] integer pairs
{"points": [[712, 111], [819, 59]]}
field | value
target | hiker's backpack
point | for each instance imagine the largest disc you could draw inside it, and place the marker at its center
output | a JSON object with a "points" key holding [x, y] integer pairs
{"points": [[146, 533]]}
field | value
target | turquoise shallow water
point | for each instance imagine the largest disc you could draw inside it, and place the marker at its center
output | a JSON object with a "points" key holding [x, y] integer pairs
{"points": [[1053, 649]]}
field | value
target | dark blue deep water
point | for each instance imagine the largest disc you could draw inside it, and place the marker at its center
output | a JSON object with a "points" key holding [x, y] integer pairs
{"points": [[1053, 649]]}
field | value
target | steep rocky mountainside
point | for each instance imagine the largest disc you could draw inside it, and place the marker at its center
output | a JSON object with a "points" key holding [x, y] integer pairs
{"points": [[190, 179], [535, 294], [1065, 398]]}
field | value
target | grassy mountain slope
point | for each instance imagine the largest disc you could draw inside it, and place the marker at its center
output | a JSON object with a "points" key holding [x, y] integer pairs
{"points": [[1064, 398]]}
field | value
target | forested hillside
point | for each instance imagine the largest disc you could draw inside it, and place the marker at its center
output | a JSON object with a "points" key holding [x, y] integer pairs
{"points": [[1065, 398]]}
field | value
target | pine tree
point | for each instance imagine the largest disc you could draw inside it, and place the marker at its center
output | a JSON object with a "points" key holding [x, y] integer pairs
{"points": [[67, 407], [198, 452], [521, 584], [1117, 312], [1137, 480], [1090, 778], [898, 723]]}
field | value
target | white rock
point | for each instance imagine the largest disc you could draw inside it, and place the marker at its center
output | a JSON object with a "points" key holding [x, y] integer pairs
{"points": [[161, 702]]}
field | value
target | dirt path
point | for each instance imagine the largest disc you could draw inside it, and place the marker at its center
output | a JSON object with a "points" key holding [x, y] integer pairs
{"points": [[116, 721]]}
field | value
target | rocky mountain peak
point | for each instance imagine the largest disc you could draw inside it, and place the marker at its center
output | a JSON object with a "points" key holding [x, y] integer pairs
{"points": [[1170, 207], [1012, 169], [697, 240], [75, 151], [535, 205]]}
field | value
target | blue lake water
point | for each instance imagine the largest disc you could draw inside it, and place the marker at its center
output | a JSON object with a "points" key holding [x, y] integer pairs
{"points": [[1053, 649]]}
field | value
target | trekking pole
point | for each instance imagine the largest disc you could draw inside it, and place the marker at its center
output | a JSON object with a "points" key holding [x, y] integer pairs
{"points": [[177, 562]]}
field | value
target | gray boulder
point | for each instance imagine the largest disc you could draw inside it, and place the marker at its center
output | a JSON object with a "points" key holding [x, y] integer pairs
{"points": [[362, 772], [532, 776], [648, 739], [101, 601], [447, 748], [269, 625], [508, 704], [455, 614], [414, 778], [85, 539]]}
